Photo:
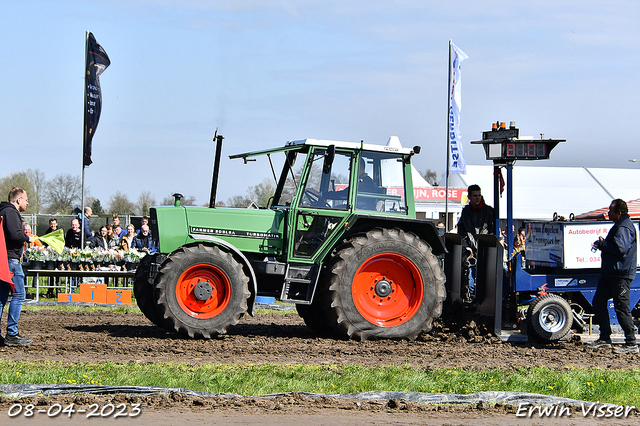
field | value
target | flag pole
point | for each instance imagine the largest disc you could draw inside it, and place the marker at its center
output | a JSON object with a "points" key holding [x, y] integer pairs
{"points": [[84, 133], [446, 199]]}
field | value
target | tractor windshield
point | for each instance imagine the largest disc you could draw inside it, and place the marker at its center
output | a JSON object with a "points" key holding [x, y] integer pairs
{"points": [[330, 189]]}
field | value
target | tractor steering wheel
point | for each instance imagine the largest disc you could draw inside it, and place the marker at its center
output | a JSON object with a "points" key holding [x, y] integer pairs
{"points": [[315, 198]]}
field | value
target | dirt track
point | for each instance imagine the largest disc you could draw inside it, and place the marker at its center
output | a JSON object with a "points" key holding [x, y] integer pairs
{"points": [[272, 338]]}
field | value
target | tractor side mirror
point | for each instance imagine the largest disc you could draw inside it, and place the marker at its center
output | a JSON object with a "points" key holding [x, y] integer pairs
{"points": [[292, 158], [328, 159], [416, 150]]}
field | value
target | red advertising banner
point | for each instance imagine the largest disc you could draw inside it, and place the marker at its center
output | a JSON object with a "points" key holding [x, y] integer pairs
{"points": [[432, 195]]}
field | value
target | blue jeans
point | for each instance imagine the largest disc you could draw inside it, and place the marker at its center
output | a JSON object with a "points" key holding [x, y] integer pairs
{"points": [[16, 299]]}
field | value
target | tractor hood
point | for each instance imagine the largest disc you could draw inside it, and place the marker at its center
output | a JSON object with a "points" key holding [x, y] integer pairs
{"points": [[249, 230]]}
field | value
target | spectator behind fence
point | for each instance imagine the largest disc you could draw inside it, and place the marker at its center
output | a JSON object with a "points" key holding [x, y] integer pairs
{"points": [[119, 232], [112, 238], [101, 240], [145, 221], [73, 239], [35, 241], [116, 223], [124, 244], [131, 232], [53, 225], [143, 241], [88, 235]]}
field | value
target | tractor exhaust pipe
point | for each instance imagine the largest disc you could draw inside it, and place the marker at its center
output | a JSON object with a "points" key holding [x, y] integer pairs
{"points": [[216, 170]]}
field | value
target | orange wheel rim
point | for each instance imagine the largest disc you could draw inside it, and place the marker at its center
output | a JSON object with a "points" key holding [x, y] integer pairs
{"points": [[387, 289], [203, 291]]}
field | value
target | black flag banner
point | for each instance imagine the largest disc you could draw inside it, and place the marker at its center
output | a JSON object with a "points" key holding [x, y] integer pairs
{"points": [[97, 61]]}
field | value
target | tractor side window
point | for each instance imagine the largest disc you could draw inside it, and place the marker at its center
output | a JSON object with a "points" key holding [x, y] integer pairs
{"points": [[381, 183], [327, 190]]}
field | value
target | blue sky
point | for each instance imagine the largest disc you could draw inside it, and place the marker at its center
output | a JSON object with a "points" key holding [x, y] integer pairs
{"points": [[265, 72]]}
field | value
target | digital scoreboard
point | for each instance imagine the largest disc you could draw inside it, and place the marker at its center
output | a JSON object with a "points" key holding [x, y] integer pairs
{"points": [[505, 145]]}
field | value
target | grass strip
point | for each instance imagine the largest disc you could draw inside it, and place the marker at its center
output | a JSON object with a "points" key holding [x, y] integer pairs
{"points": [[620, 387]]}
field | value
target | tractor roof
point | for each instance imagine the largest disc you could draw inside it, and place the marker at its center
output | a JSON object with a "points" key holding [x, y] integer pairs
{"points": [[304, 144]]}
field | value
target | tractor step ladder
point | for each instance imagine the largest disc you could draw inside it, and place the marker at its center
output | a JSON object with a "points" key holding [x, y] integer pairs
{"points": [[300, 283]]}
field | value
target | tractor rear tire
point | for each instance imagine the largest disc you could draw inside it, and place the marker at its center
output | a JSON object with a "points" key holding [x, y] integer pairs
{"points": [[201, 290], [315, 317], [143, 290], [549, 318], [384, 284]]}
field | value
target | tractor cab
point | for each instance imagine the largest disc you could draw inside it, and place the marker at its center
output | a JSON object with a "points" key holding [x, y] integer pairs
{"points": [[334, 181]]}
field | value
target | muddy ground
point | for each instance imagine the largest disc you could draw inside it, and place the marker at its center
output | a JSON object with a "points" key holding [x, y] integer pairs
{"points": [[274, 338]]}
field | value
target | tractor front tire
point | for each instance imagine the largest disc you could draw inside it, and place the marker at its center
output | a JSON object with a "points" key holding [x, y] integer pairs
{"points": [[549, 318], [143, 291], [201, 290], [384, 284]]}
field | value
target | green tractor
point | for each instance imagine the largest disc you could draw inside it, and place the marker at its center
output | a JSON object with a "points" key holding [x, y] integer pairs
{"points": [[339, 239]]}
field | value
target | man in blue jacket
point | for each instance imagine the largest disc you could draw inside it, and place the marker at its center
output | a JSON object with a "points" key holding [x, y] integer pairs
{"points": [[14, 238], [84, 224], [619, 258], [143, 241]]}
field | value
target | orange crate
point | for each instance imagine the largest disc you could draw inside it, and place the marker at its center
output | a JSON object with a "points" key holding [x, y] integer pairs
{"points": [[93, 293], [68, 297], [118, 297]]}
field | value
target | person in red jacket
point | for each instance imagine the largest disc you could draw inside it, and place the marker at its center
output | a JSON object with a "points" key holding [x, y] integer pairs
{"points": [[15, 238]]}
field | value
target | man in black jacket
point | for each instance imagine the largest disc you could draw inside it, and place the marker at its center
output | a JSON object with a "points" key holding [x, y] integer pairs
{"points": [[477, 218], [14, 239], [73, 239], [619, 259]]}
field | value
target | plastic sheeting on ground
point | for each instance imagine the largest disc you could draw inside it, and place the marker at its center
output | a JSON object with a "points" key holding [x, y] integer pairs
{"points": [[514, 398]]}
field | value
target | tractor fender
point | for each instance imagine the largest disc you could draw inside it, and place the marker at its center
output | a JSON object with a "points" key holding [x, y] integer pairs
{"points": [[422, 228], [252, 288]]}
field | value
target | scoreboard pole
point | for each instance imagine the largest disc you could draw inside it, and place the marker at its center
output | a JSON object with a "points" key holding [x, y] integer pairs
{"points": [[504, 146], [496, 203], [510, 208]]}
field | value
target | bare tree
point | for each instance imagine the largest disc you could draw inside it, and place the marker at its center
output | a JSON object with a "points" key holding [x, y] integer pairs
{"points": [[119, 203], [167, 201], [184, 201], [61, 193], [189, 201], [146, 200], [238, 201], [39, 187]]}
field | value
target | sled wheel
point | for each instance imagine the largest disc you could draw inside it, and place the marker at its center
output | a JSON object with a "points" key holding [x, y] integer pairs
{"points": [[385, 284], [549, 317], [201, 291], [143, 291]]}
